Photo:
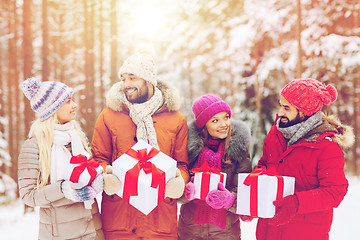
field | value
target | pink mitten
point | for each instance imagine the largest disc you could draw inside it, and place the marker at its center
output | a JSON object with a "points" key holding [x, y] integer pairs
{"points": [[220, 198], [189, 191]]}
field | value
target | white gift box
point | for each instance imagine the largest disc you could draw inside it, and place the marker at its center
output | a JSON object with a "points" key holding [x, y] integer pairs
{"points": [[147, 197], [257, 199], [78, 172], [204, 184]]}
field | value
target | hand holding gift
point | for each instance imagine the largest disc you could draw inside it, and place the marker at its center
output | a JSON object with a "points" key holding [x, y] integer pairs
{"points": [[189, 191], [286, 209], [77, 195], [112, 183], [175, 186], [220, 198]]}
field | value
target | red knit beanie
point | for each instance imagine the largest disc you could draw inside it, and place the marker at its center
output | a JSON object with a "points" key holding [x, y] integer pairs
{"points": [[309, 95], [206, 106]]}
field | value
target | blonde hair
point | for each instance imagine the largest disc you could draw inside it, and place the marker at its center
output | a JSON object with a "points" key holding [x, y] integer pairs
{"points": [[43, 131]]}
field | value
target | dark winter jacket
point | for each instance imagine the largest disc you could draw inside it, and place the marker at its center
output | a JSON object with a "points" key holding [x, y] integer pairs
{"points": [[317, 162], [238, 151], [114, 134]]}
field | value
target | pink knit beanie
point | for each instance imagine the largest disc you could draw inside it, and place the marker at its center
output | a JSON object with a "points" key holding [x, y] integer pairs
{"points": [[206, 106], [309, 95]]}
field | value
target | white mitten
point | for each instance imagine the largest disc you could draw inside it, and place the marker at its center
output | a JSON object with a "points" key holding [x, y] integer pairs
{"points": [[175, 186], [112, 183]]}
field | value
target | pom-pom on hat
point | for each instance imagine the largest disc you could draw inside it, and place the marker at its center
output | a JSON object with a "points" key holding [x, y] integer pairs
{"points": [[309, 95], [206, 106], [45, 97], [141, 64]]}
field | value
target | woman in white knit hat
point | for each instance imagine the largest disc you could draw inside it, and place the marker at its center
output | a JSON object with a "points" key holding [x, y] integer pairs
{"points": [[53, 139]]}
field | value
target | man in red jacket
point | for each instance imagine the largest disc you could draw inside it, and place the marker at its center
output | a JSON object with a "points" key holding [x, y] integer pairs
{"points": [[305, 143]]}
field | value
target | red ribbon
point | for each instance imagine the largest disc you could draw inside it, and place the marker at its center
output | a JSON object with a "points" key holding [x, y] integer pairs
{"points": [[205, 180], [132, 175], [252, 181], [90, 164]]}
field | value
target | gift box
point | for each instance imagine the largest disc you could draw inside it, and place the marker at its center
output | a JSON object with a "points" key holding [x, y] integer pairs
{"points": [[143, 172], [206, 179], [81, 170], [256, 193]]}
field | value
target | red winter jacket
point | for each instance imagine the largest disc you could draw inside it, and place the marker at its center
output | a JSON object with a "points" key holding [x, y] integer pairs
{"points": [[317, 163]]}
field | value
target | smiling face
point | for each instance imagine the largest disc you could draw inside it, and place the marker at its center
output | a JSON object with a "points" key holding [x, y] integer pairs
{"points": [[219, 125], [288, 114], [136, 89], [66, 112]]}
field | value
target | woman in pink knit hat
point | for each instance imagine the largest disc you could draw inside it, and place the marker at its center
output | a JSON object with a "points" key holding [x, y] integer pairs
{"points": [[223, 144]]}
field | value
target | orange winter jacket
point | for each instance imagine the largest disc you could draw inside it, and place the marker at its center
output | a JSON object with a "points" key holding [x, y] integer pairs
{"points": [[114, 134]]}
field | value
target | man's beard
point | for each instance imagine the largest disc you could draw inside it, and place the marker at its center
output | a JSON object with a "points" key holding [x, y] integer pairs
{"points": [[141, 97], [293, 122]]}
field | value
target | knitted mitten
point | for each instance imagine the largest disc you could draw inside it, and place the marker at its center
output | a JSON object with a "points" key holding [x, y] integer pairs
{"points": [[220, 198], [98, 182], [112, 183], [189, 191], [286, 209], [77, 195], [175, 186]]}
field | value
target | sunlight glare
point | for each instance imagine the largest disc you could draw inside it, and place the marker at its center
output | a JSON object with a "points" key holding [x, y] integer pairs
{"points": [[149, 19]]}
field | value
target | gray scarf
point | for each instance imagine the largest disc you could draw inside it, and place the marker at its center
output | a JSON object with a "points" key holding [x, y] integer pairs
{"points": [[297, 131]]}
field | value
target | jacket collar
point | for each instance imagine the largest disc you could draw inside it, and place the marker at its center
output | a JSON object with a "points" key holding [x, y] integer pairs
{"points": [[332, 128]]}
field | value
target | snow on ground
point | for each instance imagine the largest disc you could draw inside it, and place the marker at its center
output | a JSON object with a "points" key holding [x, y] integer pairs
{"points": [[15, 225]]}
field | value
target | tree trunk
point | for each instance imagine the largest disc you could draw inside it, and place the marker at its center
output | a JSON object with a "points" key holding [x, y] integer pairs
{"points": [[29, 114], [298, 27], [45, 39], [88, 102], [113, 33], [101, 56]]}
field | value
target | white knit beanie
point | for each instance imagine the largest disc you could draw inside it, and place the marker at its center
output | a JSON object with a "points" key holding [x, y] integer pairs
{"points": [[141, 64], [45, 97]]}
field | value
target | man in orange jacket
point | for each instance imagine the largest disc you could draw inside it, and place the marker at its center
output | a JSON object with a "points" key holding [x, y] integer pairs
{"points": [[140, 107]]}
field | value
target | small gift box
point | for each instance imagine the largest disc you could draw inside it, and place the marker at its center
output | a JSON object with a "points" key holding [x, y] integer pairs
{"points": [[206, 179], [143, 172], [257, 192], [82, 170]]}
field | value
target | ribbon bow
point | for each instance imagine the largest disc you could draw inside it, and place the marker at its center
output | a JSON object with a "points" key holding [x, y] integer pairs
{"points": [[84, 163], [132, 175], [206, 168], [252, 181]]}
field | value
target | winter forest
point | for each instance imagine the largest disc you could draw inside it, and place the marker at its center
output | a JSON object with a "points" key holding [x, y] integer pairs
{"points": [[242, 50]]}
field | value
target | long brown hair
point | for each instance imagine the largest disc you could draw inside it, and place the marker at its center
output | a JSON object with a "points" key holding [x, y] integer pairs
{"points": [[205, 135]]}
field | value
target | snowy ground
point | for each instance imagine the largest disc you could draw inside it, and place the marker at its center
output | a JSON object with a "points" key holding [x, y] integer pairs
{"points": [[14, 225]]}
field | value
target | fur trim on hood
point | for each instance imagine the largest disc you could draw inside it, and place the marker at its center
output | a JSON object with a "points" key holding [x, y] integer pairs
{"points": [[239, 143], [344, 134], [115, 96]]}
